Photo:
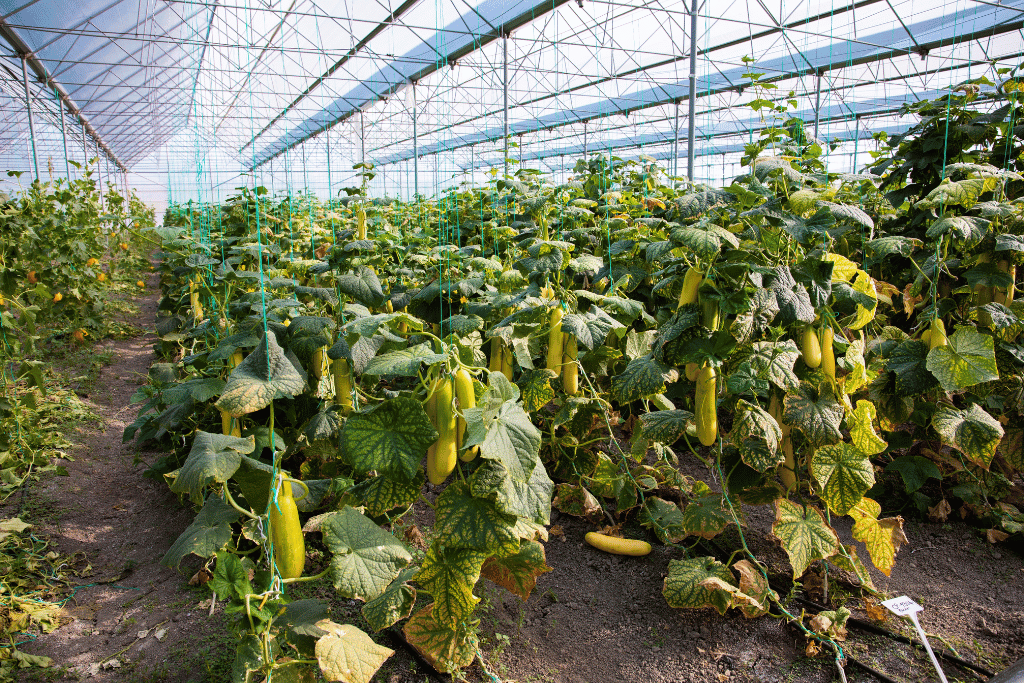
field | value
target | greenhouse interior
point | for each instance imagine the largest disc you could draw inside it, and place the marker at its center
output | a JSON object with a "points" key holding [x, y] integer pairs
{"points": [[561, 341]]}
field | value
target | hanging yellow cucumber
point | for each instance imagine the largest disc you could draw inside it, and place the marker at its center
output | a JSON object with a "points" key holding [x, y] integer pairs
{"points": [[828, 356], [705, 406], [691, 283], [938, 336], [236, 359], [506, 361], [618, 546], [360, 223], [570, 370], [446, 452], [811, 347], [342, 385], [554, 361], [467, 399], [1002, 295], [497, 359], [788, 471], [227, 428], [711, 317], [926, 336], [286, 531], [319, 362]]}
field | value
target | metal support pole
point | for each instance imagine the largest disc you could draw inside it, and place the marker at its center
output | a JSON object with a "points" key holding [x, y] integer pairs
{"points": [[585, 141], [415, 147], [31, 123], [675, 144], [504, 89], [817, 104], [690, 138], [362, 137], [99, 167], [64, 137], [330, 189]]}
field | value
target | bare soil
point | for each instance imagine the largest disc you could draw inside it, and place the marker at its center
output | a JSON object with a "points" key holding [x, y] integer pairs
{"points": [[595, 618]]}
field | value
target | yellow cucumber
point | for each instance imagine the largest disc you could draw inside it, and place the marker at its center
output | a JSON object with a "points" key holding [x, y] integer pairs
{"points": [[342, 385], [811, 347], [938, 336], [926, 336], [389, 307], [506, 362], [787, 473], [691, 283], [319, 362], [692, 370], [570, 370], [554, 361], [360, 224], [236, 359], [711, 317], [828, 356], [618, 546], [1002, 295], [496, 360], [227, 428], [430, 405], [705, 406], [286, 531], [445, 453], [467, 399]]}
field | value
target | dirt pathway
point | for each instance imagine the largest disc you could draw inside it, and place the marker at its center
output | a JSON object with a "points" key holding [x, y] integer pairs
{"points": [[130, 618]]}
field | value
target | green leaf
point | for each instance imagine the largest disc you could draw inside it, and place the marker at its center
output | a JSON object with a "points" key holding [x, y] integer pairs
{"points": [[365, 557], [230, 579], [642, 377], [506, 435], [968, 359], [683, 586], [757, 436], [664, 518], [848, 212], [963, 193], [702, 242], [394, 604], [347, 654], [590, 328], [885, 246], [663, 426], [805, 535], [381, 494], [844, 474], [909, 362], [445, 649], [464, 521], [862, 430], [254, 478], [449, 574], [536, 389], [816, 412], [915, 470], [973, 431], [390, 438], [213, 458], [265, 374], [969, 229], [705, 516], [774, 361], [364, 287], [518, 573], [792, 298], [209, 532], [404, 362], [575, 500]]}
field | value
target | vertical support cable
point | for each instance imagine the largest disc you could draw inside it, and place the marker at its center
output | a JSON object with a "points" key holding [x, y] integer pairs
{"points": [[31, 124], [675, 144], [63, 135], [693, 91], [99, 168], [362, 138], [585, 141], [415, 147], [504, 90], [817, 104]]}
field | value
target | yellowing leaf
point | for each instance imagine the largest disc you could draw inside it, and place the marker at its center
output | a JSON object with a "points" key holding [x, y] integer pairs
{"points": [[445, 649], [518, 573], [843, 270], [865, 285], [862, 430], [684, 586], [347, 654], [804, 533], [883, 537], [858, 375], [844, 474], [449, 575]]}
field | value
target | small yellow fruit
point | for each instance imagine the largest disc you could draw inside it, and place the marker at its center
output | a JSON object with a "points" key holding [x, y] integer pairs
{"points": [[92, 262], [124, 246], [79, 335], [140, 283], [57, 297], [32, 277], [101, 277]]}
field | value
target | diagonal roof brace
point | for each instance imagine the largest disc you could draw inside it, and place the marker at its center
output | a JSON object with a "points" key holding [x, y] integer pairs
{"points": [[9, 34]]}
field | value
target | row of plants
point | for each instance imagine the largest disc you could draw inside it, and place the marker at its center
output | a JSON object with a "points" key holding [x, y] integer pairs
{"points": [[68, 267], [814, 338]]}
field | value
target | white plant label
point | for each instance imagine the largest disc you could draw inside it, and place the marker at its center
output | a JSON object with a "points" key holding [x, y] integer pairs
{"points": [[903, 606]]}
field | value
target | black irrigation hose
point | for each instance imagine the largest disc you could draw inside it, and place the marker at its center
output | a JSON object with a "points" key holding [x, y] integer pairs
{"points": [[907, 640], [871, 670]]}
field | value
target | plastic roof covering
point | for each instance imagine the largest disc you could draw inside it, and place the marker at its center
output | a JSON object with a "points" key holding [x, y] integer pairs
{"points": [[193, 93]]}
